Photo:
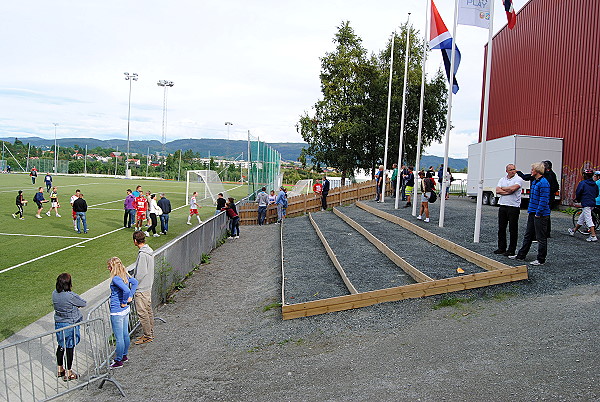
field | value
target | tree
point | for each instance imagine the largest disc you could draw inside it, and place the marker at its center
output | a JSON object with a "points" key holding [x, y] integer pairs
{"points": [[338, 127], [347, 130]]}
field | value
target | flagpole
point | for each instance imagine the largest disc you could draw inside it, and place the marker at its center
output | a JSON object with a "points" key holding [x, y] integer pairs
{"points": [[448, 119], [401, 139], [425, 51], [486, 101], [387, 126]]}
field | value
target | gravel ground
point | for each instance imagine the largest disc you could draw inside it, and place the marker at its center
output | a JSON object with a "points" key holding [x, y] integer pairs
{"points": [[366, 267], [535, 340], [309, 273], [426, 257]]}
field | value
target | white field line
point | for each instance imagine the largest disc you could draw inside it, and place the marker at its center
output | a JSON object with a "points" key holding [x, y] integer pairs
{"points": [[44, 185], [109, 209], [104, 203], [34, 235], [58, 251]]}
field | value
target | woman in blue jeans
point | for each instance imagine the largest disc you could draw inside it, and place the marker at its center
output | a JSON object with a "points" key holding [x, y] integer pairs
{"points": [[122, 289]]}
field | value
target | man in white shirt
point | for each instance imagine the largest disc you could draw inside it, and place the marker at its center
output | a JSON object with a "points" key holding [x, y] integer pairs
{"points": [[74, 197], [509, 190]]}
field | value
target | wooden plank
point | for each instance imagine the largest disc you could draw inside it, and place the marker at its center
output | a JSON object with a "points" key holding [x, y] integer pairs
{"points": [[469, 255], [282, 267], [402, 292], [333, 257], [395, 258]]}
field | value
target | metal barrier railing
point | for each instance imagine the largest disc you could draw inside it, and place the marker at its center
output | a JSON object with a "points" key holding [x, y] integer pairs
{"points": [[30, 367]]}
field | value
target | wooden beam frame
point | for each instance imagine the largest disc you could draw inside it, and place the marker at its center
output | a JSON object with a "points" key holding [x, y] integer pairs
{"points": [[497, 273], [333, 257]]}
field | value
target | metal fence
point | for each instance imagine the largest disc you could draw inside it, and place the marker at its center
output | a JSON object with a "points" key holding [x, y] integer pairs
{"points": [[30, 367]]}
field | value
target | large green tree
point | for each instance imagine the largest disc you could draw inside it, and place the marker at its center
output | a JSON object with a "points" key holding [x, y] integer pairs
{"points": [[347, 129]]}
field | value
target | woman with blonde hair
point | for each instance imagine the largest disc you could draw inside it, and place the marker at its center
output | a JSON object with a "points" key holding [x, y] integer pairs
{"points": [[122, 289]]}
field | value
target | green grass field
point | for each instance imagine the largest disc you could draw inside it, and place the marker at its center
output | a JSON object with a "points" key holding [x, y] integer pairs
{"points": [[26, 289]]}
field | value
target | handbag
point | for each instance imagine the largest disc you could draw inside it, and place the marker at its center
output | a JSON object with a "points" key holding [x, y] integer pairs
{"points": [[159, 211]]}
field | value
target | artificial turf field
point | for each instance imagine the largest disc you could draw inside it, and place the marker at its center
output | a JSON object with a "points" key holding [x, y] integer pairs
{"points": [[33, 252]]}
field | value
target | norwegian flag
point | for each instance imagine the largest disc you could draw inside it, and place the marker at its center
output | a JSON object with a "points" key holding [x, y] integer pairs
{"points": [[510, 13], [440, 38]]}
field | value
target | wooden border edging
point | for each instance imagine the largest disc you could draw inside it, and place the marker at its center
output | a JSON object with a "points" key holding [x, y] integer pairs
{"points": [[332, 256], [469, 255], [395, 258], [440, 286], [282, 269]]}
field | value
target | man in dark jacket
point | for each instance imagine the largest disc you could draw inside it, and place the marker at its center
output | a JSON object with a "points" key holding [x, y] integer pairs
{"points": [[324, 193], [539, 215], [80, 208], [165, 205], [550, 176], [586, 193]]}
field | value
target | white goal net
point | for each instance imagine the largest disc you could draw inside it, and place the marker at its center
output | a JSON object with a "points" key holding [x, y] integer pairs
{"points": [[301, 187], [207, 184]]}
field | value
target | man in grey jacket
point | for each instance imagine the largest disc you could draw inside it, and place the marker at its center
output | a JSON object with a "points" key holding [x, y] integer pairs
{"points": [[262, 198], [144, 273]]}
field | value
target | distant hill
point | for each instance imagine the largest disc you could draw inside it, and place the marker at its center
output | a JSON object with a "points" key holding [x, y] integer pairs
{"points": [[290, 151], [204, 146]]}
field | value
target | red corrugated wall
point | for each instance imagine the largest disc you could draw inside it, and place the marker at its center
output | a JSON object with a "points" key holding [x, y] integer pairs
{"points": [[545, 81]]}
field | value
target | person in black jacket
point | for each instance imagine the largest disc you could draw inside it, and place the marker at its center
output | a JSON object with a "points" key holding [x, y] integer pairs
{"points": [[165, 205], [80, 208], [324, 193]]}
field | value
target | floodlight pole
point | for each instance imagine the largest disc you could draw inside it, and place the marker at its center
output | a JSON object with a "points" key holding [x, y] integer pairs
{"points": [[85, 162], [130, 78], [55, 150], [165, 84]]}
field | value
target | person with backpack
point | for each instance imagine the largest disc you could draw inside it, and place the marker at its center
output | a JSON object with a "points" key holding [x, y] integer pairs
{"points": [[427, 195]]}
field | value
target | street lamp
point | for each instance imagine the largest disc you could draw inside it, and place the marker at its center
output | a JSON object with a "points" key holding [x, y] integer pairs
{"points": [[130, 78], [166, 84], [55, 151]]}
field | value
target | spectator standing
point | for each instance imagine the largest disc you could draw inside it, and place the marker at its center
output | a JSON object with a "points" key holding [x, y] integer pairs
{"points": [[272, 197], [39, 200], [379, 182], [141, 208], [427, 187], [154, 212], [8, 169], [74, 197], [48, 181], [448, 179], [403, 174], [234, 219], [323, 194], [54, 202], [129, 207], [597, 178], [194, 209], [550, 176], [66, 312], [80, 208], [394, 178], [409, 183], [220, 203], [20, 201], [263, 201], [148, 220], [440, 175], [144, 273], [539, 215], [586, 194], [165, 205], [33, 174], [281, 202], [509, 189], [122, 289]]}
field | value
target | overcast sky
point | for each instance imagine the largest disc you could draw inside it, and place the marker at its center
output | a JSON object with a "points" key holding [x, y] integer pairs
{"points": [[253, 63]]}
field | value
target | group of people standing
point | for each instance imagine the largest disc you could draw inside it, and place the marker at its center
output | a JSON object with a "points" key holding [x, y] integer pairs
{"points": [[143, 209], [543, 187], [124, 286], [264, 200]]}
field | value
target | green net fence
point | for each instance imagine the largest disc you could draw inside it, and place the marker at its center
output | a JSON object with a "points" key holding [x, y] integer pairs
{"points": [[47, 165], [264, 166]]}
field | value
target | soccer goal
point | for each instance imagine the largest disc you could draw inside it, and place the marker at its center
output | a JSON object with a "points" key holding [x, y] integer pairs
{"points": [[207, 184], [301, 187]]}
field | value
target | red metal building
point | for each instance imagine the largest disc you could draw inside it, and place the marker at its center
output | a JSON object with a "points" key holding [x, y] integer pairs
{"points": [[545, 81]]}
